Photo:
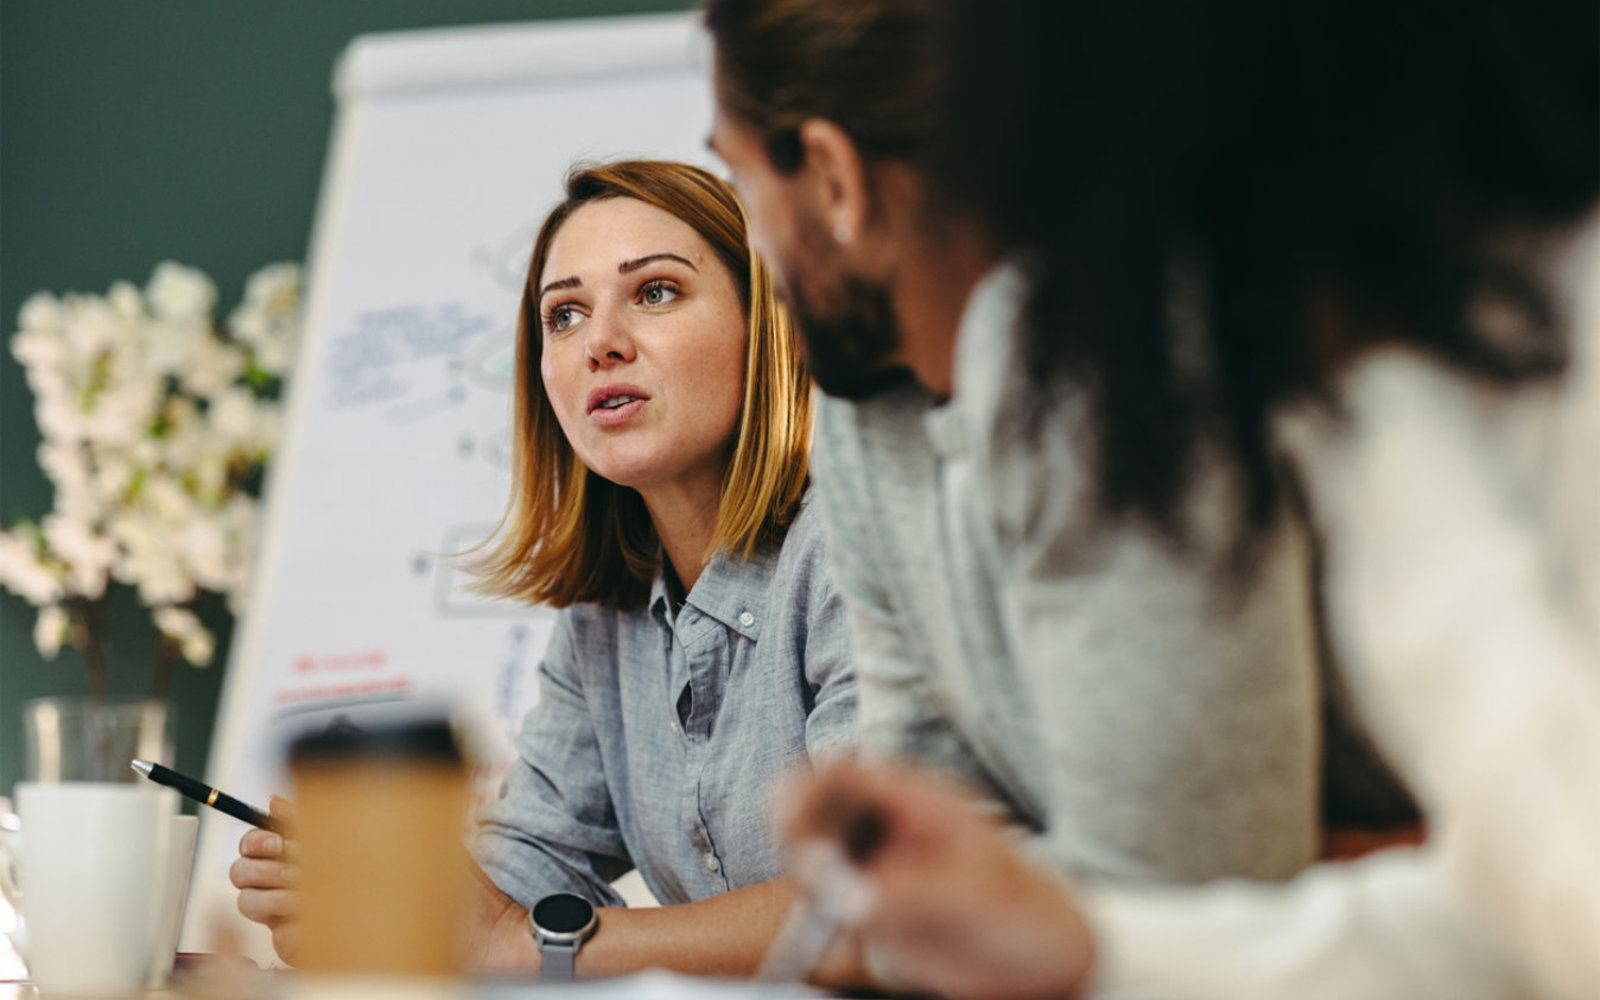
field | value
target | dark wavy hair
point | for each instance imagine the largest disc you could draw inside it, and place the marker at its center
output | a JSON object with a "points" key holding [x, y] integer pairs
{"points": [[1319, 175]]}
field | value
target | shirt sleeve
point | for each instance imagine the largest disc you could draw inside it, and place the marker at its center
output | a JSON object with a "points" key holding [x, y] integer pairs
{"points": [[1467, 646], [1387, 927], [902, 710], [554, 828], [831, 729]]}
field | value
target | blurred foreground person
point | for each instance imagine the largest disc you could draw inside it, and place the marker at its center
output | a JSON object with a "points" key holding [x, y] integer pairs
{"points": [[1382, 223], [662, 424]]}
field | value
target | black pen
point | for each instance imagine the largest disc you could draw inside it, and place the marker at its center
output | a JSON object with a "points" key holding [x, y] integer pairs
{"points": [[201, 792]]}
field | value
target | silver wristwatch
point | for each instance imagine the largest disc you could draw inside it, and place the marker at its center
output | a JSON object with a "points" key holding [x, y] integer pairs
{"points": [[561, 923]]}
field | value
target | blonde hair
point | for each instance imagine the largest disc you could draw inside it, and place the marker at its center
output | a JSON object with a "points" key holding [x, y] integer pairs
{"points": [[570, 536]]}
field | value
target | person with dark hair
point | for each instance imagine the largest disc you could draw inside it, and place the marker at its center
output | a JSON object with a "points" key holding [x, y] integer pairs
{"points": [[1149, 713], [662, 422], [1377, 228]]}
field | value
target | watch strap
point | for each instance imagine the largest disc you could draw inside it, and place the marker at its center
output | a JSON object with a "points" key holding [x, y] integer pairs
{"points": [[556, 958]]}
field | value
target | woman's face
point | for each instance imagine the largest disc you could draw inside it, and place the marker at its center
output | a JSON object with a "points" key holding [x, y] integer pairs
{"points": [[644, 344]]}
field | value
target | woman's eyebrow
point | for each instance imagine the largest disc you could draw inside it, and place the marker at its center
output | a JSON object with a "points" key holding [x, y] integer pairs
{"points": [[573, 282], [638, 262]]}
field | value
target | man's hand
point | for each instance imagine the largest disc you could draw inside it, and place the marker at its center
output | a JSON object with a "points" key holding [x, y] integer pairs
{"points": [[956, 912]]}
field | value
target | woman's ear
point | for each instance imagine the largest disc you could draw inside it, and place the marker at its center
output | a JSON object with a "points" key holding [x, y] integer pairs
{"points": [[838, 177]]}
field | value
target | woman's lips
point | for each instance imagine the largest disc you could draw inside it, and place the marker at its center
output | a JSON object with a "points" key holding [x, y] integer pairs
{"points": [[611, 416], [611, 405], [606, 393]]}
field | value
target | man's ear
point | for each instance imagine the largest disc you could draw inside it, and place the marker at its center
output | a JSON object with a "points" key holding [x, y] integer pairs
{"points": [[839, 178]]}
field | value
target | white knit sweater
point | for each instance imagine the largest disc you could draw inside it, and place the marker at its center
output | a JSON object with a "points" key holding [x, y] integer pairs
{"points": [[1461, 531]]}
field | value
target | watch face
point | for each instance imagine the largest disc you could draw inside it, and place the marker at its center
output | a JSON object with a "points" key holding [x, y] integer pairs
{"points": [[563, 913]]}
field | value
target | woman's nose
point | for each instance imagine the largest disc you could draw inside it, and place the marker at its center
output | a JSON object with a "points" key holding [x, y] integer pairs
{"points": [[607, 341]]}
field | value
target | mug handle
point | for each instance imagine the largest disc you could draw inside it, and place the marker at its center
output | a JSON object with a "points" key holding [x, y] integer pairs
{"points": [[10, 851]]}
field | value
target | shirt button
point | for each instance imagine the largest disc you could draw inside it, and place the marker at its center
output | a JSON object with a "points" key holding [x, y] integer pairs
{"points": [[674, 729], [712, 864], [747, 619]]}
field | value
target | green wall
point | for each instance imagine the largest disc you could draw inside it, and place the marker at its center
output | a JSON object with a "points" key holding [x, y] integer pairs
{"points": [[135, 131]]}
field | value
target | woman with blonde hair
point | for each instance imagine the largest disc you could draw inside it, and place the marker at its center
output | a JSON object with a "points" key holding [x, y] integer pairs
{"points": [[663, 419]]}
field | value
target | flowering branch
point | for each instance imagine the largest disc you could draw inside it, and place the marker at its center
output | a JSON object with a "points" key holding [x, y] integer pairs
{"points": [[155, 426]]}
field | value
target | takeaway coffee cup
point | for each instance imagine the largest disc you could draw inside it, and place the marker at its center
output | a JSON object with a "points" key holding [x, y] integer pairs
{"points": [[88, 875]]}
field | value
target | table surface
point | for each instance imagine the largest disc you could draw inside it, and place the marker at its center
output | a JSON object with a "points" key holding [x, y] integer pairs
{"points": [[652, 985]]}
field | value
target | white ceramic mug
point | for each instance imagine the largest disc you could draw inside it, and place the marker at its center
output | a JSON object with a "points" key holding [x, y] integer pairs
{"points": [[91, 863]]}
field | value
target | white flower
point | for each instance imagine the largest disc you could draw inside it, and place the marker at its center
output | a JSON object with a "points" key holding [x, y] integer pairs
{"points": [[134, 531], [235, 417], [91, 326], [126, 301], [148, 559], [199, 649], [188, 440], [81, 504], [60, 419], [87, 555], [268, 321], [50, 629], [65, 465], [210, 478], [195, 639], [122, 414], [276, 356], [143, 453], [52, 386], [211, 367], [42, 312], [129, 364], [165, 496], [205, 548], [148, 417], [78, 491], [269, 427], [181, 294], [39, 347], [161, 579], [111, 479], [24, 572], [169, 344]]}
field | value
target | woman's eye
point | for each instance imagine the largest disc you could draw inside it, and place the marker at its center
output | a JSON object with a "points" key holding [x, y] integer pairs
{"points": [[657, 295], [560, 318]]}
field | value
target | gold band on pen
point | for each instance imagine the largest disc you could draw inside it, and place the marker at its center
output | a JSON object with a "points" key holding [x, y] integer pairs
{"points": [[211, 799]]}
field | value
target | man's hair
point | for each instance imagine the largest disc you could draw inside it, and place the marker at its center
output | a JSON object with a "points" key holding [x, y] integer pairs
{"points": [[571, 536], [859, 64]]}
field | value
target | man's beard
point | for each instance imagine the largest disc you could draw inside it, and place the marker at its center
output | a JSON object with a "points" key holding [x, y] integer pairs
{"points": [[848, 350], [850, 340]]}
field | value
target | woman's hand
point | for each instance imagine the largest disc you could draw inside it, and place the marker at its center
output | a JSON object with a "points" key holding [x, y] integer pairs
{"points": [[267, 876], [956, 912]]}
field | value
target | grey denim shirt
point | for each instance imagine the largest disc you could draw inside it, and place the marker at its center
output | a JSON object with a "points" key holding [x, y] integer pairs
{"points": [[659, 732]]}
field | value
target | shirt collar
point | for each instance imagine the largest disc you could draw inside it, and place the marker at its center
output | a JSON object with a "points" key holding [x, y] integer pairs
{"points": [[661, 598], [983, 339], [990, 321], [731, 590]]}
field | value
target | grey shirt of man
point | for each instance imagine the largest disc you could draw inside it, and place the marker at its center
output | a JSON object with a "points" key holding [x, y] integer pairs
{"points": [[1148, 714]]}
